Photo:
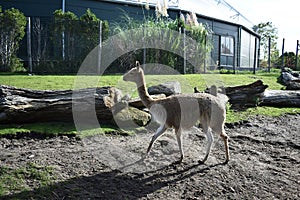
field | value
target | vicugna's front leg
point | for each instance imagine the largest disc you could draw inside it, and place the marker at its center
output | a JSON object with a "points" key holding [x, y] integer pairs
{"points": [[179, 141], [158, 133]]}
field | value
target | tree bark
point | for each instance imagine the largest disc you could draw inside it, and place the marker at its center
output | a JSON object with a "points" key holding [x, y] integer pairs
{"points": [[256, 94], [242, 96], [26, 106], [246, 95], [281, 98]]}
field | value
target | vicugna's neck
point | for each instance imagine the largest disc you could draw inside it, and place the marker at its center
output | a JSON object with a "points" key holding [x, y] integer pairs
{"points": [[143, 93], [145, 97]]}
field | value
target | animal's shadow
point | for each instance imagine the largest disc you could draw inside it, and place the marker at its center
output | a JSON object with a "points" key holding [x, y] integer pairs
{"points": [[113, 184]]}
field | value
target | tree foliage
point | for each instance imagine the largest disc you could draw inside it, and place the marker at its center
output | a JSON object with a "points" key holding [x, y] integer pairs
{"points": [[89, 25], [267, 30], [12, 26], [71, 39], [64, 33], [289, 60]]}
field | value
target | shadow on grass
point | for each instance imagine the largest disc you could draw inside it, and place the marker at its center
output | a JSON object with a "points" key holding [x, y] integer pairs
{"points": [[54, 129], [116, 185]]}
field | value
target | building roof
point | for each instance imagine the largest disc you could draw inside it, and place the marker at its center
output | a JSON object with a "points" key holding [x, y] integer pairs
{"points": [[218, 10]]}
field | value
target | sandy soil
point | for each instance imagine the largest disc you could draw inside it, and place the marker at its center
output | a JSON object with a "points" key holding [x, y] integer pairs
{"points": [[265, 164]]}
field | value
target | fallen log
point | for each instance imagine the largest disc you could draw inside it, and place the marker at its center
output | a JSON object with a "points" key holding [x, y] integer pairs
{"points": [[281, 98], [25, 105], [242, 96], [137, 102], [255, 94], [168, 88], [287, 76], [246, 95]]}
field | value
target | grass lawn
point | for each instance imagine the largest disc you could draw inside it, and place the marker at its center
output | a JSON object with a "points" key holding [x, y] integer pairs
{"points": [[188, 82], [15, 179]]}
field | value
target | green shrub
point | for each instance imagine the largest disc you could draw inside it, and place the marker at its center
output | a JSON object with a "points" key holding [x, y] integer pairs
{"points": [[12, 26], [16, 65]]}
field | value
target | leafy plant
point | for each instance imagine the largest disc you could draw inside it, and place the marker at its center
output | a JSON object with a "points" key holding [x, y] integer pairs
{"points": [[12, 26], [148, 35], [69, 39], [89, 25], [65, 33], [268, 30]]}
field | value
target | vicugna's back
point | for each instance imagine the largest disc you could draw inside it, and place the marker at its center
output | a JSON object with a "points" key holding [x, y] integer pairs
{"points": [[183, 111]]}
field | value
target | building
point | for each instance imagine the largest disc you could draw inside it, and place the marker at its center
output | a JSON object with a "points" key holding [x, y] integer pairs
{"points": [[235, 46]]}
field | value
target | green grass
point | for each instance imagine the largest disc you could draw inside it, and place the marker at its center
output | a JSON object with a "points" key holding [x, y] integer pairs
{"points": [[105, 130], [38, 82], [52, 129], [24, 178], [48, 129], [188, 81], [235, 116]]}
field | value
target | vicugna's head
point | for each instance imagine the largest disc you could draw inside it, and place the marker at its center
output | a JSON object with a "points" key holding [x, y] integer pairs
{"points": [[135, 74]]}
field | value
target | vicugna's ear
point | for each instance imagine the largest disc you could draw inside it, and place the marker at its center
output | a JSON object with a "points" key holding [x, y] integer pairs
{"points": [[213, 90], [137, 64]]}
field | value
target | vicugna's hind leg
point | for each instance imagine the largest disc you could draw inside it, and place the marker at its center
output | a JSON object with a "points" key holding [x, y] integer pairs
{"points": [[210, 140], [179, 141], [225, 139]]}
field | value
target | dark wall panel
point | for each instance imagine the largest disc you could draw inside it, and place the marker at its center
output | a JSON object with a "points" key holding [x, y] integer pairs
{"points": [[39, 8], [225, 29], [107, 11]]}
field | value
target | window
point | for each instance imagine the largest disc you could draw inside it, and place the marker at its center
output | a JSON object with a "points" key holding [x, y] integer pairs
{"points": [[227, 45], [248, 50]]}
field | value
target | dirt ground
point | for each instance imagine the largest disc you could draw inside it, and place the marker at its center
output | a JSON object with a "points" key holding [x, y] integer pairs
{"points": [[265, 164]]}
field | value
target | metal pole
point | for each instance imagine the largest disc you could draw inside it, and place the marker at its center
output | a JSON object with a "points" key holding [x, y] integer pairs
{"points": [[258, 54], [184, 52], [29, 44], [269, 55], [255, 56], [282, 54], [144, 48], [99, 48], [63, 8], [205, 54], [297, 49], [144, 55]]}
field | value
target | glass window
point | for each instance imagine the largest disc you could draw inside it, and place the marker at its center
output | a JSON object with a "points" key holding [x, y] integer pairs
{"points": [[247, 50], [226, 45]]}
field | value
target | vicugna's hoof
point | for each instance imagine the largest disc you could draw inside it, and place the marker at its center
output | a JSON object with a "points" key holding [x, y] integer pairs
{"points": [[226, 161], [201, 162], [179, 161], [204, 159]]}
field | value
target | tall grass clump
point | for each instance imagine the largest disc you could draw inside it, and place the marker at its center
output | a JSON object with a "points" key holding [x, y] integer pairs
{"points": [[159, 39]]}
